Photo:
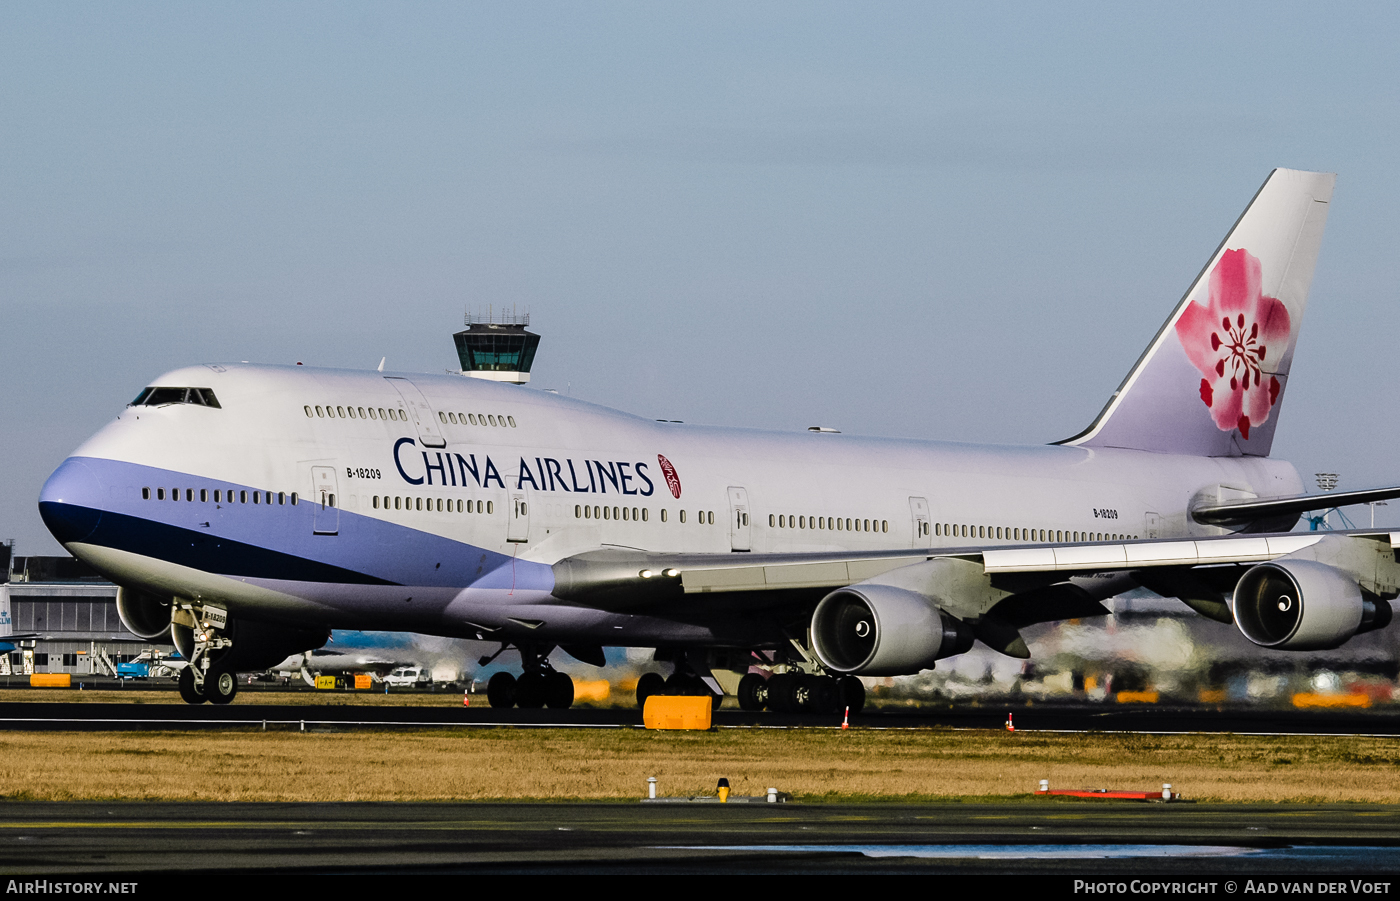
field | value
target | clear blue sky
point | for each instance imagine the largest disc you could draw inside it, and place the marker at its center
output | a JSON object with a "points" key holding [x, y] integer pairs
{"points": [[960, 221]]}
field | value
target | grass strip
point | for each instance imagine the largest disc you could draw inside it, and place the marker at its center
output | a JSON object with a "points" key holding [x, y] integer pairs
{"points": [[611, 764]]}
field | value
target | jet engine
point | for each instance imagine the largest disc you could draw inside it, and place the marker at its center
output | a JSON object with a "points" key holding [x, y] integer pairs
{"points": [[881, 630], [145, 615], [1304, 605]]}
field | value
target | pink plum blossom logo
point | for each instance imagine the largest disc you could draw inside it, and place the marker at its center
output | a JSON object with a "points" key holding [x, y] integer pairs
{"points": [[1233, 340]]}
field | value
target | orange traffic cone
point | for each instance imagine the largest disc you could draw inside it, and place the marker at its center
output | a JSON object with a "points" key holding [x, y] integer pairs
{"points": [[466, 698], [1010, 727]]}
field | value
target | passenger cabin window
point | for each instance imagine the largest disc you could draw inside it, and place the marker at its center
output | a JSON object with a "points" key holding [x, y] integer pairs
{"points": [[160, 397]]}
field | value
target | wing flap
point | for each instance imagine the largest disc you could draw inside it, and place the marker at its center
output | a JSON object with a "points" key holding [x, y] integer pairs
{"points": [[1102, 557], [820, 574]]}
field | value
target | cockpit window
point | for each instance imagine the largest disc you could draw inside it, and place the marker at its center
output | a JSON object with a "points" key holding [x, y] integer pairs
{"points": [[159, 397]]}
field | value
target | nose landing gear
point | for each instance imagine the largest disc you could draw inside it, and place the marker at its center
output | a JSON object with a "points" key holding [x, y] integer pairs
{"points": [[199, 635]]}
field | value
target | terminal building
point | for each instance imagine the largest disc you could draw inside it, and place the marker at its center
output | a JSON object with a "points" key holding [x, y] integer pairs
{"points": [[58, 616]]}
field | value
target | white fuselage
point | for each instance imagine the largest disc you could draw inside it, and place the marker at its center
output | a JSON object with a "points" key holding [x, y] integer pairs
{"points": [[559, 477]]}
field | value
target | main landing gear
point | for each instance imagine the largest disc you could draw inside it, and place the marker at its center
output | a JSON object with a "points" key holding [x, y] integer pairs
{"points": [[799, 692], [684, 681], [783, 681], [541, 685]]}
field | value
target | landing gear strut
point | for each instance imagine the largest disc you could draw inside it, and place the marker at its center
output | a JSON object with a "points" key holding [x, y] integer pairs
{"points": [[541, 685]]}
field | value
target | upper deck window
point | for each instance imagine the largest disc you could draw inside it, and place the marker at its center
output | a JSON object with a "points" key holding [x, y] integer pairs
{"points": [[159, 397]]}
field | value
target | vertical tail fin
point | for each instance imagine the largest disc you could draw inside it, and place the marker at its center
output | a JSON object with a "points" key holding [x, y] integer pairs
{"points": [[1213, 379]]}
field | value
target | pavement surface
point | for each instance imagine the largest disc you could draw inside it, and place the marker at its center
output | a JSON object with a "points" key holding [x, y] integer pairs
{"points": [[53, 840], [250, 712]]}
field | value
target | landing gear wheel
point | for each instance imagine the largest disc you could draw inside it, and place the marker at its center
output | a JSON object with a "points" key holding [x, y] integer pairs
{"points": [[650, 684], [500, 690], [220, 685], [753, 692], [530, 691], [852, 693], [558, 691], [188, 692], [782, 693], [803, 693], [683, 684], [823, 695]]}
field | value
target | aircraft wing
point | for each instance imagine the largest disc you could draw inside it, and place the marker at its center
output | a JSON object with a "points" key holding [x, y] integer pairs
{"points": [[1326, 586], [618, 577]]}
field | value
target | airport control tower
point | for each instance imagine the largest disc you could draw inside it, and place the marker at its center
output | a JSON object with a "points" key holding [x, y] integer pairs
{"points": [[496, 346]]}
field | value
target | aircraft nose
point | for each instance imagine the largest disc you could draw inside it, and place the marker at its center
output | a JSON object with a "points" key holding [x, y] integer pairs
{"points": [[70, 502]]}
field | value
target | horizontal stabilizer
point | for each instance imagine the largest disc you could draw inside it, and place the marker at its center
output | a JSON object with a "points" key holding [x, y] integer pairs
{"points": [[1254, 509]]}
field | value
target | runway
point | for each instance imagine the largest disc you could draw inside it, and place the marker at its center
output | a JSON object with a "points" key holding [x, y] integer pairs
{"points": [[1050, 837], [1055, 837], [1152, 720]]}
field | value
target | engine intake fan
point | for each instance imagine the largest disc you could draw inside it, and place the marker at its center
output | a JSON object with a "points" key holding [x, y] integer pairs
{"points": [[880, 630], [1303, 605]]}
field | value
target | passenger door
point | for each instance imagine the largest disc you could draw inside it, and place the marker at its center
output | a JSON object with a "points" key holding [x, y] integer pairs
{"points": [[518, 529], [323, 495], [918, 512], [739, 519]]}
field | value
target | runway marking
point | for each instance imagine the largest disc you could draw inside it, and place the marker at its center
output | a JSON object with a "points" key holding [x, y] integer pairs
{"points": [[994, 852]]}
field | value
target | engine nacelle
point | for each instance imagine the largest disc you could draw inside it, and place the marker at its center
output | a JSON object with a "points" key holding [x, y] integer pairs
{"points": [[145, 615], [880, 630], [1304, 605]]}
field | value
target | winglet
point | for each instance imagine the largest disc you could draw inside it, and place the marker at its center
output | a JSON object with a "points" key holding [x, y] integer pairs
{"points": [[1212, 380], [381, 363]]}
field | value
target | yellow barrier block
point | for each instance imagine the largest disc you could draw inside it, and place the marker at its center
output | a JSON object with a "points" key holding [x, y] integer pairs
{"points": [[1310, 699], [362, 680], [676, 712], [51, 680], [1137, 697], [325, 681], [596, 690]]}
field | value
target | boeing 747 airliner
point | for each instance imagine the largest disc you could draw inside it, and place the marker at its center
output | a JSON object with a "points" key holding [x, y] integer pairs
{"points": [[247, 510]]}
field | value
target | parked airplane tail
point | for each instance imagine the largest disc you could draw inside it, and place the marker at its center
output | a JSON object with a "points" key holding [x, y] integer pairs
{"points": [[1213, 379]]}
